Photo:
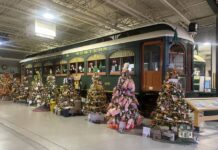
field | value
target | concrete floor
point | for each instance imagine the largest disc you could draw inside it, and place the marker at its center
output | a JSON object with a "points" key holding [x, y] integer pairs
{"points": [[23, 129]]}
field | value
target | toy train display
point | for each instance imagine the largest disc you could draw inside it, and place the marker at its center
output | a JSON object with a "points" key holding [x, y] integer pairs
{"points": [[149, 50]]}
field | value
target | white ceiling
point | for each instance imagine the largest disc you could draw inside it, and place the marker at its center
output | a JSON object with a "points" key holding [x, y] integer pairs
{"points": [[79, 20]]}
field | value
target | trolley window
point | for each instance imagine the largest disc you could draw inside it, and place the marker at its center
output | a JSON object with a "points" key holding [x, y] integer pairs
{"points": [[37, 67], [117, 59], [177, 57], [61, 68], [152, 58], [76, 65], [97, 63], [47, 67], [29, 70]]}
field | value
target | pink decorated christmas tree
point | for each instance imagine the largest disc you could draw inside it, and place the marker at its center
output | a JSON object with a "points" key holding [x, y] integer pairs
{"points": [[123, 110]]}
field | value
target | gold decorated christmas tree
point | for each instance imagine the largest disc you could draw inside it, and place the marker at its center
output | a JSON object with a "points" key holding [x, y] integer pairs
{"points": [[171, 110], [96, 97]]}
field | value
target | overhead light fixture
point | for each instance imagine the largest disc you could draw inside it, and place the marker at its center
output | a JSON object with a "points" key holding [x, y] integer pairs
{"points": [[206, 43], [48, 16], [45, 29]]}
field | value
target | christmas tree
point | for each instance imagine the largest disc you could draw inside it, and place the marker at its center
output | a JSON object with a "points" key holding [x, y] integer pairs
{"points": [[23, 91], [5, 85], [172, 110], [69, 99], [15, 92], [64, 97], [123, 110], [96, 97], [37, 95], [50, 88]]}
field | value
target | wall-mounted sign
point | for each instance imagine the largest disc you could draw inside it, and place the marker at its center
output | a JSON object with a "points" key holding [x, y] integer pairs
{"points": [[90, 51]]}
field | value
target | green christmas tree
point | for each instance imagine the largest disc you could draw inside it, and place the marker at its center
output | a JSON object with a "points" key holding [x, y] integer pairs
{"points": [[96, 97], [172, 110], [37, 94], [23, 91], [51, 88]]}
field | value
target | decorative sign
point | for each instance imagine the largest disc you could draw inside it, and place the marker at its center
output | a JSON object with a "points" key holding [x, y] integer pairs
{"points": [[96, 57], [77, 59], [122, 53], [107, 83], [29, 66], [37, 65], [96, 50], [48, 64], [62, 62]]}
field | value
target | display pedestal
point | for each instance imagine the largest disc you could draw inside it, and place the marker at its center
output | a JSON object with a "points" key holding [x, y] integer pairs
{"points": [[200, 105]]}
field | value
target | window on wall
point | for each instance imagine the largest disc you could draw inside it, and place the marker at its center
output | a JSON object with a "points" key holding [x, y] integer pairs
{"points": [[130, 61], [101, 65], [115, 65], [152, 58], [61, 68], [47, 67], [202, 68], [80, 68], [37, 67], [119, 58], [97, 63], [64, 68], [77, 65], [57, 69], [177, 57], [73, 68], [28, 70]]}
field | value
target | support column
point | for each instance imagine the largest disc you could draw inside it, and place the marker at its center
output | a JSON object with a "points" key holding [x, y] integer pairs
{"points": [[216, 54], [214, 7]]}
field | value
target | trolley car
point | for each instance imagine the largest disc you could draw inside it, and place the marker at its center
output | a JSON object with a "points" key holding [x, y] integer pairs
{"points": [[149, 50]]}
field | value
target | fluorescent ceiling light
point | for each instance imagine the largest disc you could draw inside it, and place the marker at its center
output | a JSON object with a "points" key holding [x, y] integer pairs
{"points": [[207, 43], [48, 16], [45, 29]]}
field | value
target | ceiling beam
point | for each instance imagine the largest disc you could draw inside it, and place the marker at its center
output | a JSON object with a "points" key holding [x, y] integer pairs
{"points": [[125, 8], [213, 5], [10, 59], [166, 3], [205, 17], [90, 10], [34, 16], [81, 16], [16, 50]]}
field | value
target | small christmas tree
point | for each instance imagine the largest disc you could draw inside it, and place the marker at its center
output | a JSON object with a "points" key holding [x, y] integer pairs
{"points": [[23, 91], [5, 85], [69, 100], [15, 92], [96, 97], [37, 95], [171, 107], [172, 111], [51, 88], [123, 111]]}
